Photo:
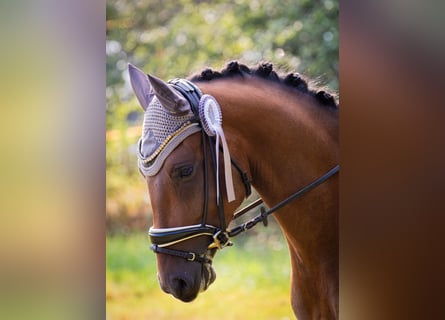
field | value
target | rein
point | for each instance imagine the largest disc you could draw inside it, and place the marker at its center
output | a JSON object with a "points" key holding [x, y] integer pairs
{"points": [[264, 214], [162, 238]]}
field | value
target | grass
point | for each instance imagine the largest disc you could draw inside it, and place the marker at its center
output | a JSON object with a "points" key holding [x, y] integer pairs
{"points": [[252, 282]]}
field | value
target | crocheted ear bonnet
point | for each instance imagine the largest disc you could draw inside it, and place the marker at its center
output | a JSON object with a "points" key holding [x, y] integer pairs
{"points": [[164, 129], [162, 132]]}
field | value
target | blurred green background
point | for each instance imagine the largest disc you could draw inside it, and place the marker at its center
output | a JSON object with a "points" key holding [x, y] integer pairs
{"points": [[175, 39]]}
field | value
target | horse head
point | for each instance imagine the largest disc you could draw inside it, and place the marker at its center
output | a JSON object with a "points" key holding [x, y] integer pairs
{"points": [[175, 160]]}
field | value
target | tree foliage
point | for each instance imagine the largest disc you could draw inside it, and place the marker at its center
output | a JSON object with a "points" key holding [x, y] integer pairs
{"points": [[173, 38]]}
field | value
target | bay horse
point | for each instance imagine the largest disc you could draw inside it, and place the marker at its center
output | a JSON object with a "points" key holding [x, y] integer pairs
{"points": [[282, 136]]}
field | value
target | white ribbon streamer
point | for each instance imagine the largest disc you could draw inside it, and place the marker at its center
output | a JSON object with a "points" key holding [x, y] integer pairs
{"points": [[211, 119]]}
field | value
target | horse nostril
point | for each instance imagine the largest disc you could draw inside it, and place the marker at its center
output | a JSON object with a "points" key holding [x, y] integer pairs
{"points": [[183, 290], [183, 283], [180, 285]]}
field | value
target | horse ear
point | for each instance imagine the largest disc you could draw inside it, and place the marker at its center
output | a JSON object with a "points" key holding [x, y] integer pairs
{"points": [[141, 86], [172, 101]]}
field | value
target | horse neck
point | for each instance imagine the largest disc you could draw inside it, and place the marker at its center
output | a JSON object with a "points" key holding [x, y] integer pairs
{"points": [[282, 140], [285, 142]]}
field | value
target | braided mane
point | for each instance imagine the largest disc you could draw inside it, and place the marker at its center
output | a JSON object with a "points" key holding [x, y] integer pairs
{"points": [[265, 70]]}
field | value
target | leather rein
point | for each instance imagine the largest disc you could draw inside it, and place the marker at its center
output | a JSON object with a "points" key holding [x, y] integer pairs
{"points": [[162, 238]]}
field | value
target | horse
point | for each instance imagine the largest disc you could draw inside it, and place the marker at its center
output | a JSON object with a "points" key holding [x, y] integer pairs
{"points": [[274, 132]]}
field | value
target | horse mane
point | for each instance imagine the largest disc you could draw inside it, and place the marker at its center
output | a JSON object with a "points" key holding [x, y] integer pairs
{"points": [[266, 71]]}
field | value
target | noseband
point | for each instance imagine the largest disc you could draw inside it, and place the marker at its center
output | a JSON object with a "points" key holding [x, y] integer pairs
{"points": [[162, 238]]}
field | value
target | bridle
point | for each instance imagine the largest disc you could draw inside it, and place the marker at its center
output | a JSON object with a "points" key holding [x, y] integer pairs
{"points": [[162, 238]]}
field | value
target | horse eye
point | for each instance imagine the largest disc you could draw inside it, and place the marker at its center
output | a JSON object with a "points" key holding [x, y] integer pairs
{"points": [[184, 172]]}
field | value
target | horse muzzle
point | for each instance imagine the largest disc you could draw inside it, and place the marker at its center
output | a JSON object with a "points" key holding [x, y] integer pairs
{"points": [[186, 287]]}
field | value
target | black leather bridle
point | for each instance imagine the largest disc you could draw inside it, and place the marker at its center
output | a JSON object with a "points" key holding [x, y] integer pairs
{"points": [[162, 238]]}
